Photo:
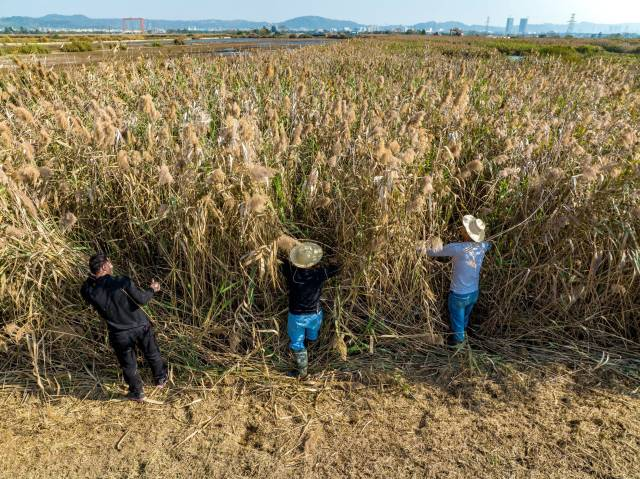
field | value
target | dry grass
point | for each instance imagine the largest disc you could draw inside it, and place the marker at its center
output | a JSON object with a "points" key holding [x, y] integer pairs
{"points": [[472, 415], [190, 169]]}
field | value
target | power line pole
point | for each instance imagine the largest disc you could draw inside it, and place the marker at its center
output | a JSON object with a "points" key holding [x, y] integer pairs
{"points": [[572, 24], [487, 29]]}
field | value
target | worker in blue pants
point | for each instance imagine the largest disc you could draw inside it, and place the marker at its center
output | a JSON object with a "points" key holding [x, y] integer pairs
{"points": [[467, 256], [305, 279]]}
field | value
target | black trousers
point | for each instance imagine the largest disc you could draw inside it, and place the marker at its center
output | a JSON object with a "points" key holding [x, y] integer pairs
{"points": [[124, 344]]}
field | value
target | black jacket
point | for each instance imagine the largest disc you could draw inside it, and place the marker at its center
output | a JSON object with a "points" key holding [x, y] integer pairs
{"points": [[305, 286], [117, 300]]}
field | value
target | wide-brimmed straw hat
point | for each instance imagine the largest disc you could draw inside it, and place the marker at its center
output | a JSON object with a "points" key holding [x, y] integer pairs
{"points": [[306, 255], [474, 227]]}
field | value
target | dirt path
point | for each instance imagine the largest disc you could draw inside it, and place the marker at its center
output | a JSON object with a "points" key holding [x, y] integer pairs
{"points": [[442, 423]]}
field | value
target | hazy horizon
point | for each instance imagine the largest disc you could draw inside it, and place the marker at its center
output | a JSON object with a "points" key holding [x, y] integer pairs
{"points": [[376, 12]]}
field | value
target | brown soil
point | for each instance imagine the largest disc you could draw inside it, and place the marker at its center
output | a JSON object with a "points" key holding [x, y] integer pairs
{"points": [[442, 419]]}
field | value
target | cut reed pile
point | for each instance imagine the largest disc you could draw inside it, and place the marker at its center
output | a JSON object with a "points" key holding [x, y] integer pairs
{"points": [[190, 170]]}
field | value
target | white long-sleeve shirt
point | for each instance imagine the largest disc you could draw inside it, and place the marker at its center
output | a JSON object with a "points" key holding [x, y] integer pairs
{"points": [[467, 262]]}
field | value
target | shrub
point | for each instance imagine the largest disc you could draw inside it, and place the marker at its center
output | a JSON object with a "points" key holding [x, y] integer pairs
{"points": [[613, 48], [31, 48], [589, 49], [77, 46]]}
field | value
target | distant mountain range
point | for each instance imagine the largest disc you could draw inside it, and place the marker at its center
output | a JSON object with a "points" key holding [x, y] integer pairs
{"points": [[308, 23]]}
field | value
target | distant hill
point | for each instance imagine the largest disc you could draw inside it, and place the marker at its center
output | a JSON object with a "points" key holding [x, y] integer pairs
{"points": [[318, 23], [307, 23]]}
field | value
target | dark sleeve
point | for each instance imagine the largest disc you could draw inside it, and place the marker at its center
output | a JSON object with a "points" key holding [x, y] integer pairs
{"points": [[286, 269], [83, 293], [140, 296], [331, 271]]}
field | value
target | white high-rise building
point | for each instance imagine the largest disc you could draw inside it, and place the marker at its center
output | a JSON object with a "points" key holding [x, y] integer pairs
{"points": [[509, 28], [524, 23]]}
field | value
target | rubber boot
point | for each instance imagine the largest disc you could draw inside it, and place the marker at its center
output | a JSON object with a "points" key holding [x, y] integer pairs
{"points": [[302, 363]]}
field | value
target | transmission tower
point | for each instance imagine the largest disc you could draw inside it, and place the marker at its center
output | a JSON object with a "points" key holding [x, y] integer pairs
{"points": [[487, 29], [572, 24]]}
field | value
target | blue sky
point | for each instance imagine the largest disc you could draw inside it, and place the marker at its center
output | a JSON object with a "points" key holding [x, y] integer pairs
{"points": [[363, 11]]}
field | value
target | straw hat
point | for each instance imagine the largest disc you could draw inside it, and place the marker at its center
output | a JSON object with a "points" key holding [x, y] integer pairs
{"points": [[306, 255], [474, 227]]}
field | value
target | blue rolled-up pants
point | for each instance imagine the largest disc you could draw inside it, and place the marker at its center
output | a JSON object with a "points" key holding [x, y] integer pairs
{"points": [[460, 307], [301, 327]]}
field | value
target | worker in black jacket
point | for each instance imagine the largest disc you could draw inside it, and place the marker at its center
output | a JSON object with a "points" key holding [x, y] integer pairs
{"points": [[304, 281], [118, 301]]}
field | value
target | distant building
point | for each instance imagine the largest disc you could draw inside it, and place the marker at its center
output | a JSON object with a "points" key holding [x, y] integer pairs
{"points": [[524, 23], [509, 29]]}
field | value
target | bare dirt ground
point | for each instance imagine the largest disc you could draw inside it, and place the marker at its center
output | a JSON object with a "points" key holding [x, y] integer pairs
{"points": [[445, 416]]}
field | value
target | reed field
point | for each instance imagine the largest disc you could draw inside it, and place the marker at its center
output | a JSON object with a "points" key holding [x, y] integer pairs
{"points": [[201, 171]]}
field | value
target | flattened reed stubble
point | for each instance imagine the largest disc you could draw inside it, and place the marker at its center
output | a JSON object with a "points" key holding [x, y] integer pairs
{"points": [[367, 161]]}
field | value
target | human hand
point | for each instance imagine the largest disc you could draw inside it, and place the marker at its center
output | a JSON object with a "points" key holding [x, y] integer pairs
{"points": [[155, 286]]}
